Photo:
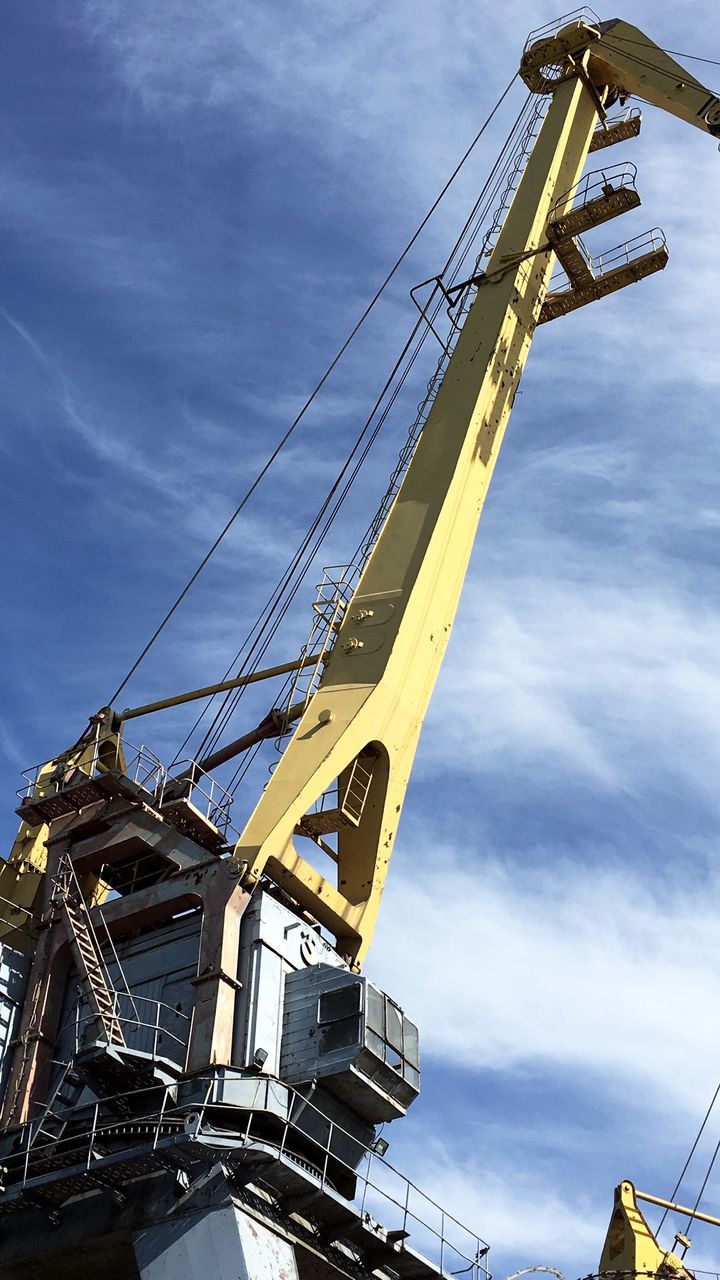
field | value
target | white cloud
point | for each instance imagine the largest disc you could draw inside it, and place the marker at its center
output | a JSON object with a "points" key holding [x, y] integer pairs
{"points": [[569, 968], [524, 1216], [611, 682]]}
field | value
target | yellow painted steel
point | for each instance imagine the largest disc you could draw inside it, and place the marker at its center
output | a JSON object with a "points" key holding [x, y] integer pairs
{"points": [[625, 60], [364, 720], [630, 1246], [21, 874], [374, 693], [209, 690], [361, 727], [682, 1209]]}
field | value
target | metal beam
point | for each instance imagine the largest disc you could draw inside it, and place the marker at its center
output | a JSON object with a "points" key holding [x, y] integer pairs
{"points": [[272, 726], [131, 713], [678, 1208]]}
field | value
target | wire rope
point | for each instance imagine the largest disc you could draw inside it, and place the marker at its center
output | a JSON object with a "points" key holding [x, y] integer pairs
{"points": [[296, 421], [232, 699], [646, 64], [275, 595], [705, 1181], [640, 62], [690, 1154], [674, 53], [387, 408], [244, 766]]}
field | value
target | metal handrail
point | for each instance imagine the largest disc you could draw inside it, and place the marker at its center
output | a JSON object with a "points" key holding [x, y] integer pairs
{"points": [[512, 172], [140, 766], [620, 117], [575, 17], [451, 1242], [619, 176], [332, 596], [189, 776], [646, 242], [134, 1022], [619, 255]]}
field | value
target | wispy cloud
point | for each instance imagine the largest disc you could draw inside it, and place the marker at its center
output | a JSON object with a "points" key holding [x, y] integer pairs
{"points": [[584, 680], [528, 1221], [568, 968]]}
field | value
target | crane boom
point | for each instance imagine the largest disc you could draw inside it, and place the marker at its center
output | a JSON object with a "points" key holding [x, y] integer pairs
{"points": [[370, 704], [377, 684], [624, 61]]}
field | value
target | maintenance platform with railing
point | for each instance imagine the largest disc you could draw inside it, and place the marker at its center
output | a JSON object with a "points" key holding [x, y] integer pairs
{"points": [[188, 797], [113, 1095], [284, 1160]]}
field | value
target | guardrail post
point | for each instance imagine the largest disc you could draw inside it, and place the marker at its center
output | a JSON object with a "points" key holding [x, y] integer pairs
{"points": [[93, 1131], [27, 1154], [160, 1119], [327, 1154], [407, 1202]]}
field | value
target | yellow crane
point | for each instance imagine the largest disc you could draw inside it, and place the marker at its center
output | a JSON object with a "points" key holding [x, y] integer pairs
{"points": [[356, 731]]}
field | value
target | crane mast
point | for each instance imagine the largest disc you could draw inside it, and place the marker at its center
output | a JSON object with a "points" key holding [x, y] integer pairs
{"points": [[191, 1059]]}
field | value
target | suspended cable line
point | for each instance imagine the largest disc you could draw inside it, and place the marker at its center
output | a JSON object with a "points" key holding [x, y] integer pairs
{"points": [[673, 53], [296, 421], [234, 698], [705, 1181], [267, 624], [690, 1155]]}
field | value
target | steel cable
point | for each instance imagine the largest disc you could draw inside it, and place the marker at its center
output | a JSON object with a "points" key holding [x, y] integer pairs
{"points": [[243, 767], [690, 1155], [272, 603], [220, 720], [296, 421]]}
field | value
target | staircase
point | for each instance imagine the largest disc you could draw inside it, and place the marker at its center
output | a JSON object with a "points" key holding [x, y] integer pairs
{"points": [[349, 810], [93, 975], [54, 1118]]}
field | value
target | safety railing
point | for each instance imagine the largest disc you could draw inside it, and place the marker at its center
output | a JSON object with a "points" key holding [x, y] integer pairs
{"points": [[122, 878], [511, 176], [577, 17], [138, 765], [598, 182], [624, 117], [545, 60], [388, 1203], [622, 255], [189, 780], [333, 594], [145, 1024]]}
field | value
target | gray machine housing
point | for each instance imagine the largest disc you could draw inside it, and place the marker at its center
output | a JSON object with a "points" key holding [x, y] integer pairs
{"points": [[341, 1030]]}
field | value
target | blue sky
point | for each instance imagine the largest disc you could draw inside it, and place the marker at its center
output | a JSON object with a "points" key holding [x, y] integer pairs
{"points": [[196, 204]]}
